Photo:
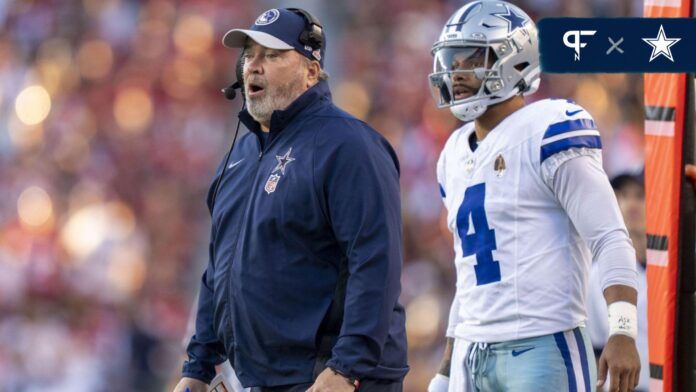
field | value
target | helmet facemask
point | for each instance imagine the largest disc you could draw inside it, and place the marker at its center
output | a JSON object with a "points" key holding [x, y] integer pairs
{"points": [[464, 79]]}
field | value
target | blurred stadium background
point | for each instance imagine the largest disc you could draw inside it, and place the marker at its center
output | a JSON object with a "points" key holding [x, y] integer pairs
{"points": [[111, 124]]}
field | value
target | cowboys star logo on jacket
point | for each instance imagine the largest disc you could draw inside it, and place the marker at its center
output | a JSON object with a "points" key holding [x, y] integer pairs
{"points": [[272, 181]]}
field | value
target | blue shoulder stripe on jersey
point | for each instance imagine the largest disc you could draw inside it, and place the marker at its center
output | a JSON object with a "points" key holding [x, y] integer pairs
{"points": [[565, 353], [568, 126], [442, 191], [583, 358], [589, 141]]}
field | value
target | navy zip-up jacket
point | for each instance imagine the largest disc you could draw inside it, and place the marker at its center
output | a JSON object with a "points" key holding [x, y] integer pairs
{"points": [[322, 191]]}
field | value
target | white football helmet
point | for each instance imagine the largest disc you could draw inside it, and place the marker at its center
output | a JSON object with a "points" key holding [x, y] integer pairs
{"points": [[492, 41]]}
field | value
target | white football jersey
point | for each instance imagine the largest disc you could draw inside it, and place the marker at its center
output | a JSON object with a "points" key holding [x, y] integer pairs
{"points": [[521, 265]]}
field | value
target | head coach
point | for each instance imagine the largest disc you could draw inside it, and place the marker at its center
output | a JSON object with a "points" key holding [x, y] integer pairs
{"points": [[302, 285]]}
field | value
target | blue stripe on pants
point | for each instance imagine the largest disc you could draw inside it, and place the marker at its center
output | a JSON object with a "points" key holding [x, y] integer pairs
{"points": [[565, 353], [583, 358]]}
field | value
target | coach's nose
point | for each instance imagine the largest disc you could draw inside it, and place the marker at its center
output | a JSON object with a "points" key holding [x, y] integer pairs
{"points": [[253, 64]]}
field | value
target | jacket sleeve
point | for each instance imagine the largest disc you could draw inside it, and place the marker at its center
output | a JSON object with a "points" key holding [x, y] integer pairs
{"points": [[205, 350], [358, 175]]}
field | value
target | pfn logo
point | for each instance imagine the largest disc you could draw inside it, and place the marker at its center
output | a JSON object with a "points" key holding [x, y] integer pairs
{"points": [[576, 44]]}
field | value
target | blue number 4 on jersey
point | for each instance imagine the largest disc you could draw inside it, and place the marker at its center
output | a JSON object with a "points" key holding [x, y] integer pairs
{"points": [[482, 242]]}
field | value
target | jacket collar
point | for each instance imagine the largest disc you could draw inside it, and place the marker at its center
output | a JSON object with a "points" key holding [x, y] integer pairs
{"points": [[281, 118]]}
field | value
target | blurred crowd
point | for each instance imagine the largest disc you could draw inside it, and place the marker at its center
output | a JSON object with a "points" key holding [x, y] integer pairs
{"points": [[112, 123]]}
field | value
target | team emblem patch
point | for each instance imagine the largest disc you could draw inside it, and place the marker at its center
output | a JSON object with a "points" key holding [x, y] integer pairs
{"points": [[283, 161], [278, 171], [271, 183], [267, 17], [499, 165], [469, 165]]}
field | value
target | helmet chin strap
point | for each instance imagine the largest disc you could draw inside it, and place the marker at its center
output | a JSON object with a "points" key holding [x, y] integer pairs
{"points": [[469, 111]]}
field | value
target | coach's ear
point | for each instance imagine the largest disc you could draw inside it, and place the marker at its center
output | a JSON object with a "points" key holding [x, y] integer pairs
{"points": [[313, 71]]}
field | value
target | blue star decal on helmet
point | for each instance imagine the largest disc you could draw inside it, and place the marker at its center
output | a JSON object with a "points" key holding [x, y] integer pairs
{"points": [[513, 20]]}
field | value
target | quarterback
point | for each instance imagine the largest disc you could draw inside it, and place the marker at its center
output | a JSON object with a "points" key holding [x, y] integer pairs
{"points": [[530, 208]]}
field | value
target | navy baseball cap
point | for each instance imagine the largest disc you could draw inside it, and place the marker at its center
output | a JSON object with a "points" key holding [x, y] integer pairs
{"points": [[276, 29]]}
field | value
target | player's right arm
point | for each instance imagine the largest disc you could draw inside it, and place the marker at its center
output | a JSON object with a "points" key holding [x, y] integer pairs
{"points": [[446, 362], [440, 383]]}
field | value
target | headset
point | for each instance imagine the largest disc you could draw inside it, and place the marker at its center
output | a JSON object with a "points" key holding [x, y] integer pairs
{"points": [[229, 91], [312, 36]]}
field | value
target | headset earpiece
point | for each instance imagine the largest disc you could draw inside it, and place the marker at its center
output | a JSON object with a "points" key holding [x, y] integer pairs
{"points": [[313, 34]]}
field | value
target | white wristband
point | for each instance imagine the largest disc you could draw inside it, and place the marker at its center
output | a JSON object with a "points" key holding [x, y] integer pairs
{"points": [[439, 383], [623, 319]]}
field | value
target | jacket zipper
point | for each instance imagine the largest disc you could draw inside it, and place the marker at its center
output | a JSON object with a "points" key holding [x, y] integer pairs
{"points": [[252, 196]]}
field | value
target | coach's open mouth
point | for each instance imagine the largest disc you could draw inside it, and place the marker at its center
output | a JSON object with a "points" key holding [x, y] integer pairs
{"points": [[255, 89]]}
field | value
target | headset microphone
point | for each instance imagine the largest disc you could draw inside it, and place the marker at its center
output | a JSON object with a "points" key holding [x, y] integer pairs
{"points": [[230, 92]]}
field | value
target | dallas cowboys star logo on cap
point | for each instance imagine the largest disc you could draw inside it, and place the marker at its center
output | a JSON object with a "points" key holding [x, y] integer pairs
{"points": [[661, 45], [283, 161], [513, 20], [267, 17]]}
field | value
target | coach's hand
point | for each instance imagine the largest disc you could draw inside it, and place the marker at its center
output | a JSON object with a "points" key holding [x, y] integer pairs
{"points": [[620, 357], [328, 381], [192, 384]]}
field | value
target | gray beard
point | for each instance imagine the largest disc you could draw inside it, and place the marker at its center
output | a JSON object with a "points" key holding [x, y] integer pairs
{"points": [[277, 98]]}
